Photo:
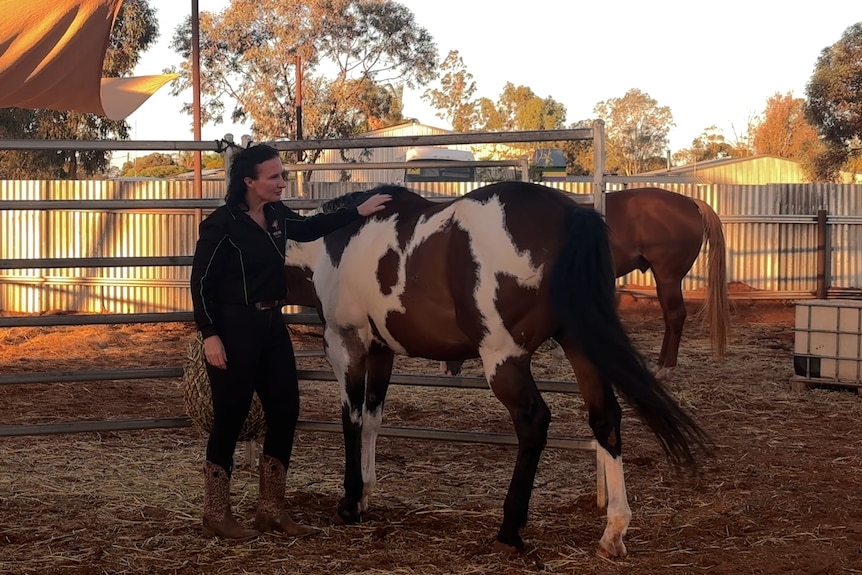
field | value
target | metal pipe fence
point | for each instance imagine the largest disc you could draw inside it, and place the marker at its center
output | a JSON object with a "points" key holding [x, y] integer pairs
{"points": [[173, 372]]}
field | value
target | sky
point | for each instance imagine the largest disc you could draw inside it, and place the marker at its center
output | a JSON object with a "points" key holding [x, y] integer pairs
{"points": [[710, 63]]}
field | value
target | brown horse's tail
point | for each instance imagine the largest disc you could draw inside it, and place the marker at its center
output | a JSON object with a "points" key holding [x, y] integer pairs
{"points": [[716, 310]]}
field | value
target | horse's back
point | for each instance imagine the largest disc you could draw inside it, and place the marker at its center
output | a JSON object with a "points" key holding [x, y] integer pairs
{"points": [[653, 224], [658, 209], [439, 279]]}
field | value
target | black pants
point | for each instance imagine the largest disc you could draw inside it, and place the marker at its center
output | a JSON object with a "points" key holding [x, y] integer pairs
{"points": [[259, 358]]}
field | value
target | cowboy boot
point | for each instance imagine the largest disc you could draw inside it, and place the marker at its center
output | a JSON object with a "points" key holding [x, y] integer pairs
{"points": [[271, 512], [218, 518]]}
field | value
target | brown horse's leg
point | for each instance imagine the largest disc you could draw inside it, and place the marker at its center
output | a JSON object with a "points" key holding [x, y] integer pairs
{"points": [[674, 314], [605, 417], [513, 384]]}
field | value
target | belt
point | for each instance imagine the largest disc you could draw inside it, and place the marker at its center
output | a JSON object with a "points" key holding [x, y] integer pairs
{"points": [[270, 304]]}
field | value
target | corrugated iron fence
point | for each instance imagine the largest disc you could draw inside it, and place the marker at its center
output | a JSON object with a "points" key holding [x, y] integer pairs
{"points": [[771, 236]]}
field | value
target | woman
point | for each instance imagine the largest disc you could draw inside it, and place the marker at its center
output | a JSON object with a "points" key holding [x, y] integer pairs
{"points": [[238, 289]]}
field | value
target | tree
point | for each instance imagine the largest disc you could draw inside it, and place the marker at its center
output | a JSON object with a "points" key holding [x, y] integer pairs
{"points": [[784, 130], [144, 165], [637, 129], [211, 161], [709, 145], [519, 108], [453, 99], [853, 165], [348, 51], [379, 106], [135, 29], [834, 100], [579, 154]]}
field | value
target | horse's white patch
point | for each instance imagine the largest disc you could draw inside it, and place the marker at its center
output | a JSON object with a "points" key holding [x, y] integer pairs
{"points": [[350, 293], [495, 253], [371, 423], [305, 255], [619, 513], [339, 359]]}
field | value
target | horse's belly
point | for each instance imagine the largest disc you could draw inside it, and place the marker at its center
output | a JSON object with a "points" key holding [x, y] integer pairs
{"points": [[433, 335]]}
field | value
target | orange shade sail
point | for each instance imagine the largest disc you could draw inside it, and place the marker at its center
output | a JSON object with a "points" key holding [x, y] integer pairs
{"points": [[51, 55]]}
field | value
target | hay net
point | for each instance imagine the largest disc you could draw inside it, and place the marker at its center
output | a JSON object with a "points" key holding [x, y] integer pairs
{"points": [[197, 396]]}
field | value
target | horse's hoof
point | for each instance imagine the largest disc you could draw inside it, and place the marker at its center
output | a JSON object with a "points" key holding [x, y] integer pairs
{"points": [[506, 549], [612, 549], [344, 515], [337, 520], [663, 374]]}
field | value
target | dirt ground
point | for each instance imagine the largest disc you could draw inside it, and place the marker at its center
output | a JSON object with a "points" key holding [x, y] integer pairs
{"points": [[782, 493]]}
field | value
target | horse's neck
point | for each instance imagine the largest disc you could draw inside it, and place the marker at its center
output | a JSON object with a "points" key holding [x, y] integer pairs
{"points": [[303, 254], [299, 264]]}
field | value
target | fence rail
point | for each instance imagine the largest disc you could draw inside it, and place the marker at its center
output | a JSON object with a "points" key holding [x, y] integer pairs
{"points": [[76, 247]]}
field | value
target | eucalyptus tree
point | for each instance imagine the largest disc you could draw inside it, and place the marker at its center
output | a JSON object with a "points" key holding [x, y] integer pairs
{"points": [[347, 58], [834, 100], [636, 128], [454, 98]]}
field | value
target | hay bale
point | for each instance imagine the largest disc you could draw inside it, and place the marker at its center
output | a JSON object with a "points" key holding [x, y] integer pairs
{"points": [[197, 396]]}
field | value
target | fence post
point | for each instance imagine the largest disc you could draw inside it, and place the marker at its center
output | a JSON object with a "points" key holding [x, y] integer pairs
{"points": [[599, 166], [229, 151], [822, 254]]}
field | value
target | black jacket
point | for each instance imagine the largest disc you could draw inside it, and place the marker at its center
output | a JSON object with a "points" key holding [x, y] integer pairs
{"points": [[237, 262]]}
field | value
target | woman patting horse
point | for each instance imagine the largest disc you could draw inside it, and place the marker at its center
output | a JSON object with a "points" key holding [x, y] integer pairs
{"points": [[238, 289]]}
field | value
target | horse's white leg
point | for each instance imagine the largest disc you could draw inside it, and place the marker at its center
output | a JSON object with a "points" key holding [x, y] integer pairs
{"points": [[371, 423], [619, 513], [378, 367]]}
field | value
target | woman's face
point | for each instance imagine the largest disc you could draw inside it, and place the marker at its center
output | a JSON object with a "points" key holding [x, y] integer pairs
{"points": [[268, 184]]}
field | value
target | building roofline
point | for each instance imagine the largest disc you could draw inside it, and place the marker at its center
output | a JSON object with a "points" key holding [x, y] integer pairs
{"points": [[401, 125], [714, 163]]}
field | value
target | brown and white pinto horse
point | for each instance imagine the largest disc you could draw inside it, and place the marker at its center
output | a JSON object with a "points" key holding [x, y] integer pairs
{"points": [[493, 273], [662, 231]]}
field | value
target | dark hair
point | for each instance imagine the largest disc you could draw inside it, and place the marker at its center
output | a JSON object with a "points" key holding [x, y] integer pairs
{"points": [[244, 165]]}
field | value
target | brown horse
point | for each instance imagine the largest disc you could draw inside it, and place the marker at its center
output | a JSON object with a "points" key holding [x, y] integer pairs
{"points": [[659, 230], [663, 231], [491, 274]]}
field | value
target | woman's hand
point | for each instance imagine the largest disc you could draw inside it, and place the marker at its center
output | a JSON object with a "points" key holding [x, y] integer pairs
{"points": [[214, 352], [373, 204]]}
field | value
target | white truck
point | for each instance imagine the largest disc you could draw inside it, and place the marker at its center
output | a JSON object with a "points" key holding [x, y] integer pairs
{"points": [[452, 173]]}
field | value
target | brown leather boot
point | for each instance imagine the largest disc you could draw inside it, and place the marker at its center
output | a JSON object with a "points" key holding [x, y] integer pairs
{"points": [[271, 513], [218, 518]]}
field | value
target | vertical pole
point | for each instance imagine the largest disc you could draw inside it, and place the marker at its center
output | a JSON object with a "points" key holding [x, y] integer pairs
{"points": [[229, 151], [300, 156], [298, 104], [599, 166], [822, 236], [196, 106]]}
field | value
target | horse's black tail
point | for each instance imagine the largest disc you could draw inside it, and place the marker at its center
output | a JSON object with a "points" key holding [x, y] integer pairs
{"points": [[583, 296]]}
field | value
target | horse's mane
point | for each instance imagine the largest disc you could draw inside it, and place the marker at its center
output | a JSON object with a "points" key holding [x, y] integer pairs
{"points": [[353, 199]]}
